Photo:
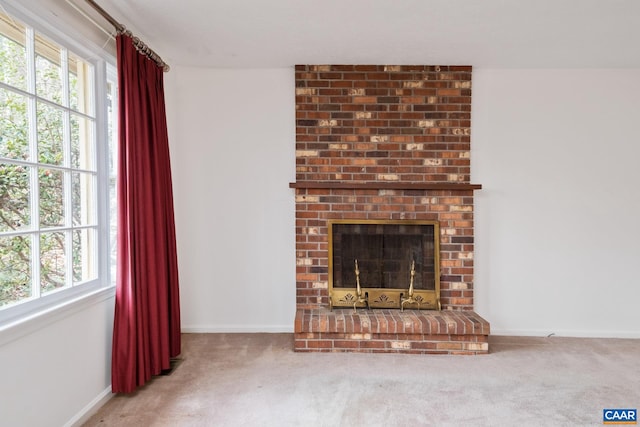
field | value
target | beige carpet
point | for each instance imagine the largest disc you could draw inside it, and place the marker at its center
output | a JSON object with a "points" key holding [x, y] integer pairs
{"points": [[257, 380]]}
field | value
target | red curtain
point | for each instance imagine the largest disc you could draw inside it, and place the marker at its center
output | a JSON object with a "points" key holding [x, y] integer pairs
{"points": [[146, 331]]}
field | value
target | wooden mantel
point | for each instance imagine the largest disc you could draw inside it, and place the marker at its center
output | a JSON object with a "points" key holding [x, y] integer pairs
{"points": [[452, 186]]}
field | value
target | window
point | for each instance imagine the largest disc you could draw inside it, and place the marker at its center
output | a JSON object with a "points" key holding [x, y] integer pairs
{"points": [[56, 174]]}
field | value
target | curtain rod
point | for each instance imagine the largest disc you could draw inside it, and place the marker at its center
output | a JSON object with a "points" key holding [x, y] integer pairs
{"points": [[139, 44]]}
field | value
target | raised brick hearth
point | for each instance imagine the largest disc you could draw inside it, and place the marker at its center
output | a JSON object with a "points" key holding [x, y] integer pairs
{"points": [[386, 143], [391, 331]]}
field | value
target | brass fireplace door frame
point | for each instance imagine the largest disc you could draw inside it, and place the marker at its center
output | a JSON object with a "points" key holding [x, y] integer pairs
{"points": [[365, 297]]}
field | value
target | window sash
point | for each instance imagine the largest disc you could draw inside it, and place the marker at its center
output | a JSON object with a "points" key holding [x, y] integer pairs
{"points": [[92, 114]]}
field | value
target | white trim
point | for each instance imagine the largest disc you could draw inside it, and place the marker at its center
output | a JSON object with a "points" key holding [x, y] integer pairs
{"points": [[217, 329], [91, 408], [41, 319], [575, 333], [90, 19], [59, 31]]}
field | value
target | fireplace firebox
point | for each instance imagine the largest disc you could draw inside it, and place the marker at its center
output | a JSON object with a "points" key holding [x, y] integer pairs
{"points": [[384, 264]]}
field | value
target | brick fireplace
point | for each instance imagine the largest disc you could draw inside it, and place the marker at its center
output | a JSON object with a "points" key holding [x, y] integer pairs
{"points": [[378, 142]]}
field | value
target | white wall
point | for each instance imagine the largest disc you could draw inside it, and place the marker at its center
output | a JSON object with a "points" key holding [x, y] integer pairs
{"points": [[57, 370], [232, 138], [557, 153], [555, 150]]}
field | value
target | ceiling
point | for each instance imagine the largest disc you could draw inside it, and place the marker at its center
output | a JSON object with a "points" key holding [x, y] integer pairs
{"points": [[481, 33]]}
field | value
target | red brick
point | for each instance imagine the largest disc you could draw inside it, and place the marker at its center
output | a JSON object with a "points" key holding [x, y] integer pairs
{"points": [[423, 345], [372, 344], [346, 344], [319, 344]]}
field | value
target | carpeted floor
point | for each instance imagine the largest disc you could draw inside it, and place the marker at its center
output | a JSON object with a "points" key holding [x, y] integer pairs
{"points": [[257, 380]]}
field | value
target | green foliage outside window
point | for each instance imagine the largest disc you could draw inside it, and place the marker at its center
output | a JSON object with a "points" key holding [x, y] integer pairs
{"points": [[43, 165]]}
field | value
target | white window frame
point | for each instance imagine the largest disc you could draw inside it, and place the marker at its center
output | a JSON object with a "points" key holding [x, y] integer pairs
{"points": [[15, 320]]}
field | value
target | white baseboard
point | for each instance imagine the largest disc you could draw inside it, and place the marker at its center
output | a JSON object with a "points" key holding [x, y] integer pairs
{"points": [[217, 329], [91, 408], [575, 333]]}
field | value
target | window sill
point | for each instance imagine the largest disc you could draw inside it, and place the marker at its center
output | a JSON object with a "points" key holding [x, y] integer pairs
{"points": [[29, 324]]}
